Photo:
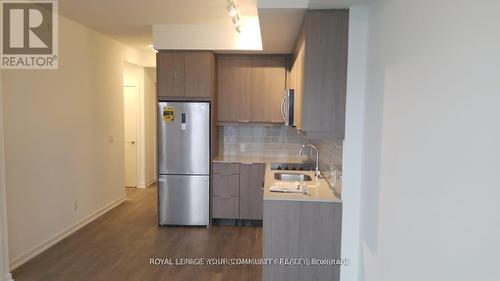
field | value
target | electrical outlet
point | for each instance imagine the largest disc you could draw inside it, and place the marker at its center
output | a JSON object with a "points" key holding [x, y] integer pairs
{"points": [[75, 205], [242, 147]]}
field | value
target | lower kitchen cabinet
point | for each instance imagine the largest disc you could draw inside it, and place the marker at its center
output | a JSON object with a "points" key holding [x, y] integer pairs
{"points": [[226, 185], [237, 191], [225, 207], [301, 229], [251, 191]]}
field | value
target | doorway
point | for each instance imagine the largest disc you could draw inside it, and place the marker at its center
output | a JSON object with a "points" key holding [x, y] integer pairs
{"points": [[139, 138], [131, 110]]}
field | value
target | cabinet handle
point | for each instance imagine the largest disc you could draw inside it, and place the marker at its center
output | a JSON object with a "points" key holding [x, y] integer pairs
{"points": [[283, 108]]}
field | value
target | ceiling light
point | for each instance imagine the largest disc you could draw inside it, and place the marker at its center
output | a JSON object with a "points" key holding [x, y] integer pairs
{"points": [[153, 48], [233, 12], [231, 8], [236, 21]]}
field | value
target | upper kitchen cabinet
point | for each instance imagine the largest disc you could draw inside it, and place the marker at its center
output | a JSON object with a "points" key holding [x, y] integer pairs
{"points": [[268, 83], [233, 97], [251, 88], [319, 73], [186, 75], [170, 74]]}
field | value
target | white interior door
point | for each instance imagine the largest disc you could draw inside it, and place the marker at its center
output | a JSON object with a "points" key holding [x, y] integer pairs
{"points": [[131, 101]]}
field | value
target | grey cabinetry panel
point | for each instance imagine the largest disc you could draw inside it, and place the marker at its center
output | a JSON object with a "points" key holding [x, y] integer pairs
{"points": [[199, 74], [237, 191], [226, 168], [170, 74], [225, 207], [250, 88], [268, 84], [226, 185], [319, 72], [234, 73], [225, 191], [251, 193], [297, 229], [185, 75]]}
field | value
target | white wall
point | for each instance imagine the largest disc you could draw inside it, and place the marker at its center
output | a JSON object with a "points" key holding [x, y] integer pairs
{"points": [[64, 139], [150, 124], [430, 193], [353, 143], [4, 252]]}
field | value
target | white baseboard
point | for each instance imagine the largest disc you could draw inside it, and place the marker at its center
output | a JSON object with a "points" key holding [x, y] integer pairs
{"points": [[147, 184], [35, 251], [8, 277], [151, 181]]}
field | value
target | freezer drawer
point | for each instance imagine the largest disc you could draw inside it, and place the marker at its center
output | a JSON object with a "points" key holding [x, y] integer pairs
{"points": [[183, 138], [183, 200]]}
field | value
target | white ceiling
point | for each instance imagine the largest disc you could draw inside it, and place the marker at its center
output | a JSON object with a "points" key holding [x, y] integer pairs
{"points": [[279, 29], [131, 21], [310, 4]]}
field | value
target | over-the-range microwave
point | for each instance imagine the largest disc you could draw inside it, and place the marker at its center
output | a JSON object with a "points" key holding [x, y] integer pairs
{"points": [[287, 107]]}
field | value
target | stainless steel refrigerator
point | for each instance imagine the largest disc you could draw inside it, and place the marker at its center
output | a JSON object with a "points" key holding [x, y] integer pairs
{"points": [[183, 163]]}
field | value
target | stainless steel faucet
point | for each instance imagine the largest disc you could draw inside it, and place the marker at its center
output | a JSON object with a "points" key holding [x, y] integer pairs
{"points": [[316, 172]]}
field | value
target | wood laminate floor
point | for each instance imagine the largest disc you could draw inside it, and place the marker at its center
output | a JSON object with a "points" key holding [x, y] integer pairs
{"points": [[119, 245]]}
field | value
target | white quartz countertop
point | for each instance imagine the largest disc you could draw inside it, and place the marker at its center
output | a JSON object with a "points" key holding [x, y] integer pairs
{"points": [[318, 189]]}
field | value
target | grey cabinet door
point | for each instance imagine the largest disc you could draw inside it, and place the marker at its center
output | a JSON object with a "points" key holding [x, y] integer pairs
{"points": [[251, 193], [199, 76], [226, 168], [234, 85], [225, 207], [268, 86], [319, 73], [170, 74], [299, 229], [226, 185]]}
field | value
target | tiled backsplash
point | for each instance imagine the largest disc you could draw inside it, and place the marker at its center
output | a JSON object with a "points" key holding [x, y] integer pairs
{"points": [[330, 158], [254, 139]]}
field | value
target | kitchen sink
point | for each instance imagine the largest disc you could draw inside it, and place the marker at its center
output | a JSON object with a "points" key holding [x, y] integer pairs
{"points": [[306, 166], [291, 177]]}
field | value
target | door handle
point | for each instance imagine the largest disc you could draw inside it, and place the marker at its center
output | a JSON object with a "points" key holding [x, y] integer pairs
{"points": [[283, 109], [131, 142]]}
